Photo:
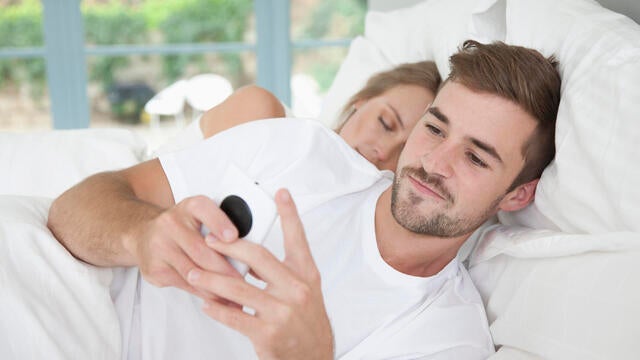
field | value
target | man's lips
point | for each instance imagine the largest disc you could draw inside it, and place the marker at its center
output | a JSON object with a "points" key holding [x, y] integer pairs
{"points": [[424, 188]]}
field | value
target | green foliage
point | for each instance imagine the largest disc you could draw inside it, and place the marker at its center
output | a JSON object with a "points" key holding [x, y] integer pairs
{"points": [[324, 74], [196, 21], [351, 12], [20, 26], [165, 21], [111, 24], [320, 24]]}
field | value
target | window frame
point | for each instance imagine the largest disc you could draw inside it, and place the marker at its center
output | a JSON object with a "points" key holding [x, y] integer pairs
{"points": [[65, 55]]}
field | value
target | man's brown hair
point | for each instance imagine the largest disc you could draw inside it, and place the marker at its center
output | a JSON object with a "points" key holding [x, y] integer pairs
{"points": [[523, 76], [423, 73]]}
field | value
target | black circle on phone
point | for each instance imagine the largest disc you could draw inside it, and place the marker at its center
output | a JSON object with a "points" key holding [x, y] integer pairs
{"points": [[239, 213]]}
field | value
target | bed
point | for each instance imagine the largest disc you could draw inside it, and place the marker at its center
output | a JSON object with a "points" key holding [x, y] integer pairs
{"points": [[560, 279]]}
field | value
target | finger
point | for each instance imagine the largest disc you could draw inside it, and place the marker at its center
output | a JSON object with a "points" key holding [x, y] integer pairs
{"points": [[206, 212], [255, 275], [224, 302], [295, 241], [182, 265], [202, 255], [258, 258], [180, 262], [232, 317], [173, 278], [232, 289]]}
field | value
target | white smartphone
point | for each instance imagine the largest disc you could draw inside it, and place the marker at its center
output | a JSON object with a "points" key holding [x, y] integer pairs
{"points": [[250, 208]]}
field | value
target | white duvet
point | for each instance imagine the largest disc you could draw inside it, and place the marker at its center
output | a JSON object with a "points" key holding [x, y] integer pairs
{"points": [[52, 306]]}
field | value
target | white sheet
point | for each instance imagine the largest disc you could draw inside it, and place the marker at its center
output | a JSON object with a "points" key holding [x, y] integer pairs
{"points": [[47, 163], [52, 306]]}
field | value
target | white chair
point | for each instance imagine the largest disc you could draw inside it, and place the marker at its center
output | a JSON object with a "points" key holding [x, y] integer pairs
{"points": [[205, 91], [169, 101]]}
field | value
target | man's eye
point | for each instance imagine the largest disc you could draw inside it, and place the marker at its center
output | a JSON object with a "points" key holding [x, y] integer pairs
{"points": [[476, 160], [434, 130], [384, 123]]}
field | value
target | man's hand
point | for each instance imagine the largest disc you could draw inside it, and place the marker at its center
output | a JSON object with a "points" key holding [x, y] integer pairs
{"points": [[290, 320], [170, 246]]}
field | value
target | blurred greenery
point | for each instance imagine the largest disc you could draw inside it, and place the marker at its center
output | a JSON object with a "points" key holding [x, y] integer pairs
{"points": [[195, 21], [348, 13], [319, 24], [108, 24], [20, 26], [161, 21]]}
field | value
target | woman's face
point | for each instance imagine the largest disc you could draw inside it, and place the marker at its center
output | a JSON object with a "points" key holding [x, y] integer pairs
{"points": [[380, 126]]}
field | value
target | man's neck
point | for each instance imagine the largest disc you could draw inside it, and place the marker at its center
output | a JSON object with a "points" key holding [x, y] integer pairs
{"points": [[408, 252]]}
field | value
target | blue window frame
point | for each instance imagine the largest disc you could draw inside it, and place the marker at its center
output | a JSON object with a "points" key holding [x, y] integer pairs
{"points": [[65, 55]]}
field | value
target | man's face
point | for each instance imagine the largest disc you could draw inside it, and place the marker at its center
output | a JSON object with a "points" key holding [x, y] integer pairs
{"points": [[459, 162]]}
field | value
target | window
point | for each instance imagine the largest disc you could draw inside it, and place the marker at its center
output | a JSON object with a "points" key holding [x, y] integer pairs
{"points": [[320, 31], [132, 49], [24, 100], [137, 49]]}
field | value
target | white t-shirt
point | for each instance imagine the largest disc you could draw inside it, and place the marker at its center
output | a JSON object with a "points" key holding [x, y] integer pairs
{"points": [[376, 312]]}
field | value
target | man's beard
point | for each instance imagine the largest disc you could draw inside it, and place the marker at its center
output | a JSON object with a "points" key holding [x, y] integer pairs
{"points": [[405, 211]]}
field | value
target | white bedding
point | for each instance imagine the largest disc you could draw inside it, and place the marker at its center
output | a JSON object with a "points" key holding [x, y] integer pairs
{"points": [[566, 293], [52, 306], [558, 295]]}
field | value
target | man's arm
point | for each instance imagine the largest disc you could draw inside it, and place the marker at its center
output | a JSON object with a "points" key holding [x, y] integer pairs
{"points": [[88, 218], [128, 218]]}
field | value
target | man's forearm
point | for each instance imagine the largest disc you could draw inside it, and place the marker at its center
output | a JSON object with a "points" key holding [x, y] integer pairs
{"points": [[96, 219]]}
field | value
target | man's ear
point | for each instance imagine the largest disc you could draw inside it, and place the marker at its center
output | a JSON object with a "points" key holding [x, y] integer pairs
{"points": [[519, 197]]}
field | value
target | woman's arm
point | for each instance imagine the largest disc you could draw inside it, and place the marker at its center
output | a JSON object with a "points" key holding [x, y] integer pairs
{"points": [[246, 104]]}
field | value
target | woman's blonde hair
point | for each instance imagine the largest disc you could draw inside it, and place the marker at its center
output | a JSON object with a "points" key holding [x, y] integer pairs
{"points": [[424, 74]]}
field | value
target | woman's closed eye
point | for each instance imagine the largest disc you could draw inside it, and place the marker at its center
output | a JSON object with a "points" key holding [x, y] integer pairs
{"points": [[385, 125]]}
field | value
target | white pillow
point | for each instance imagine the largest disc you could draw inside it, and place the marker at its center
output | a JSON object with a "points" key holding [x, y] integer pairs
{"points": [[47, 163], [560, 296], [429, 30], [52, 306], [593, 184]]}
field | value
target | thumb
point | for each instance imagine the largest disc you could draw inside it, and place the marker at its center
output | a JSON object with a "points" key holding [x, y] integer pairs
{"points": [[295, 241]]}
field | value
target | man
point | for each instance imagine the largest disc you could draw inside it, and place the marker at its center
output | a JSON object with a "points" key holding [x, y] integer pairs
{"points": [[378, 277]]}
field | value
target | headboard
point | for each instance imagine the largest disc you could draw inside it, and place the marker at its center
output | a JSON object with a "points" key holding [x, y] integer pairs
{"points": [[630, 8]]}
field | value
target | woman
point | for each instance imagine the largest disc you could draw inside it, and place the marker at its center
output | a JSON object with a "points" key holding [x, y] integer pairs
{"points": [[375, 122]]}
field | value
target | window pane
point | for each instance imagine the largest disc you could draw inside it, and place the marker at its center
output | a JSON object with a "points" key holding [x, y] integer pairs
{"points": [[312, 75], [120, 84], [24, 103], [166, 21], [20, 23], [119, 87], [327, 19]]}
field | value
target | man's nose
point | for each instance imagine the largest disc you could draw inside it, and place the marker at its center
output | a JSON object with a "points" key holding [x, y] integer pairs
{"points": [[439, 160]]}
